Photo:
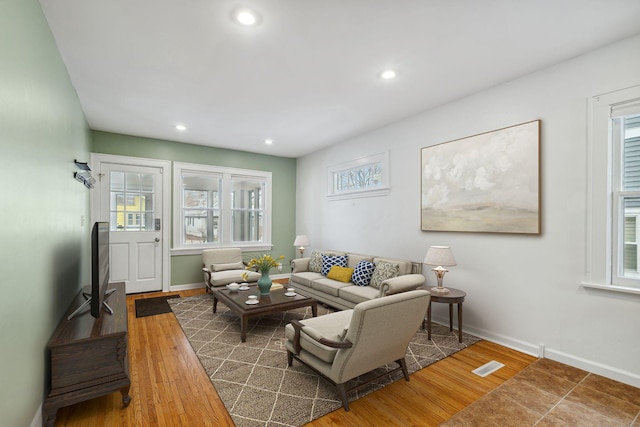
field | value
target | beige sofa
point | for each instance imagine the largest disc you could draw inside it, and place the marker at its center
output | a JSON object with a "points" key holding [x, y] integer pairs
{"points": [[307, 279]]}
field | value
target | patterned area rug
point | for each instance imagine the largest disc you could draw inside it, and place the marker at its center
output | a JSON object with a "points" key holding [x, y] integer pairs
{"points": [[253, 379]]}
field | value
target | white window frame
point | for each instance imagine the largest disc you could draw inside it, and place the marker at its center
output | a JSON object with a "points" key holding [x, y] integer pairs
{"points": [[227, 174], [604, 221], [361, 163]]}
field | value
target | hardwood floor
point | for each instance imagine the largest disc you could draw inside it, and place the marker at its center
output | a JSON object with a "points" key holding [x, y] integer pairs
{"points": [[170, 387]]}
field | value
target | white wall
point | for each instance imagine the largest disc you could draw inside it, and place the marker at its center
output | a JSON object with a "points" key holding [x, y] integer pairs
{"points": [[522, 291]]}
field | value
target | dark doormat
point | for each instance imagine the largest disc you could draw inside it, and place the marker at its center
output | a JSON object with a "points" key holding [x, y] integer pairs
{"points": [[152, 306]]}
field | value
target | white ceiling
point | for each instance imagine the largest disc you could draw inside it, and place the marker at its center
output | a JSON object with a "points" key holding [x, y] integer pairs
{"points": [[307, 76]]}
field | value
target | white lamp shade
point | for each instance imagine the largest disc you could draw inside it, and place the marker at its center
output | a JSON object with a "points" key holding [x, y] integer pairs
{"points": [[301, 240], [439, 255]]}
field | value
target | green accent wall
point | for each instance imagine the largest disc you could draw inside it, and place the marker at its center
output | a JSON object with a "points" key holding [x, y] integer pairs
{"points": [[44, 211], [186, 269]]}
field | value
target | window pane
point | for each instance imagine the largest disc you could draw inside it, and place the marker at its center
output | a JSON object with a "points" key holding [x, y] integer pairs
{"points": [[246, 194], [630, 235], [363, 177], [201, 214], [201, 226], [631, 157], [247, 226], [247, 204]]}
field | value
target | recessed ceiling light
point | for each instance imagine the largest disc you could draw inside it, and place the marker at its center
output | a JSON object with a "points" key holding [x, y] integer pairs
{"points": [[246, 17], [181, 127], [268, 141], [388, 74]]}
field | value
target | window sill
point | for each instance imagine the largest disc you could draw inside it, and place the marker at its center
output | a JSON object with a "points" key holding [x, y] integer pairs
{"points": [[362, 193], [612, 288], [198, 250]]}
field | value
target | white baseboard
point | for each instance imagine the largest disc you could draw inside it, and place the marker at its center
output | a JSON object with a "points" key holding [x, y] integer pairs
{"points": [[543, 351], [37, 418], [186, 287]]}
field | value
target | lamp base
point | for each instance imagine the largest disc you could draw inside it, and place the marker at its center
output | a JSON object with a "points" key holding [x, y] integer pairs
{"points": [[440, 290]]}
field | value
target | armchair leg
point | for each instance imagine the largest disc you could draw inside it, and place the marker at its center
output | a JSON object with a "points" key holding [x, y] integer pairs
{"points": [[342, 391], [403, 364]]}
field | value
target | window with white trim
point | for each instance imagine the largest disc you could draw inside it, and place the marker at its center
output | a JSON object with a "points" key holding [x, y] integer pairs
{"points": [[366, 176], [218, 206], [613, 233]]}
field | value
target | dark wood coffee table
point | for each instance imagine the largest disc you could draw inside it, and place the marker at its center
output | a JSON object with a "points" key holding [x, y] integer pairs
{"points": [[275, 302]]}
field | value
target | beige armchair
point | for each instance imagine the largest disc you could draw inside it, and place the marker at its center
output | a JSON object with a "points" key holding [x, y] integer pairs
{"points": [[222, 266], [343, 345]]}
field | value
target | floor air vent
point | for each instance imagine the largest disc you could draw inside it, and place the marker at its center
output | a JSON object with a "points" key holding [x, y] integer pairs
{"points": [[487, 368]]}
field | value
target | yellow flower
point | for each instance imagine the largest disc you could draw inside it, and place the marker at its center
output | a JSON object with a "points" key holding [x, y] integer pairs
{"points": [[263, 263]]}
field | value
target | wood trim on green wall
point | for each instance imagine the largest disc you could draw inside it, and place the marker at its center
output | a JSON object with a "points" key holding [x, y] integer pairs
{"points": [[185, 269]]}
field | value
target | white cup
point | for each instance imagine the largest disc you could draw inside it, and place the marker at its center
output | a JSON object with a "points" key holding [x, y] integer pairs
{"points": [[292, 290], [252, 297]]}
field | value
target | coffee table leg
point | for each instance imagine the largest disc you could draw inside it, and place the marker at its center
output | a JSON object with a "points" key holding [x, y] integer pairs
{"points": [[459, 322], [215, 303], [243, 327], [314, 308]]}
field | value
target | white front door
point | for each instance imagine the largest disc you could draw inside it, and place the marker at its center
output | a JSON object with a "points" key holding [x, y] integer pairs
{"points": [[131, 199]]}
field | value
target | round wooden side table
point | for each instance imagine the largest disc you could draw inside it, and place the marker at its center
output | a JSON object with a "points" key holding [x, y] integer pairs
{"points": [[454, 296]]}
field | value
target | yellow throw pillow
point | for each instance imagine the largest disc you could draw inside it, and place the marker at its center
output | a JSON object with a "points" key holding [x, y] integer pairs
{"points": [[342, 274]]}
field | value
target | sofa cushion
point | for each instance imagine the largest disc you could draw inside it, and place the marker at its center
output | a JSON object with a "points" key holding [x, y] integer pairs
{"points": [[222, 278], [227, 266], [382, 272], [329, 286], [329, 261], [315, 264], [354, 259], [305, 278], [362, 273], [404, 265], [341, 274], [358, 294]]}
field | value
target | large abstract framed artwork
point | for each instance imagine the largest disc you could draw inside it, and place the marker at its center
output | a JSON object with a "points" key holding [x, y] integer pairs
{"points": [[484, 183]]}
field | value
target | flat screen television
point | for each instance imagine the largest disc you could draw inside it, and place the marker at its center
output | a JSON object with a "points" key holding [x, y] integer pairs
{"points": [[99, 267], [98, 290]]}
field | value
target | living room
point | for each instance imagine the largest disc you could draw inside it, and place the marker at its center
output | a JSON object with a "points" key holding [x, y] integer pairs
{"points": [[524, 291]]}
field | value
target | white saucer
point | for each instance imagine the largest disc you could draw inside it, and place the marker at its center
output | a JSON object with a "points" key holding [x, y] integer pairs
{"points": [[244, 288], [252, 301], [290, 294]]}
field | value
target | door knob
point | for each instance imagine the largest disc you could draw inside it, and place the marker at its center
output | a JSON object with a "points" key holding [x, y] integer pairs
{"points": [[157, 240]]}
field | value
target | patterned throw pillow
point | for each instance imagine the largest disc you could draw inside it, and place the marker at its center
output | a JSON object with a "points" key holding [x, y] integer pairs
{"points": [[315, 263], [362, 273], [329, 261], [341, 274], [383, 271]]}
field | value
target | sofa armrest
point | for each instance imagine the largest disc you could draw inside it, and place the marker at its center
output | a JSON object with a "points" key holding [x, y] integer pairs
{"points": [[299, 265], [406, 282]]}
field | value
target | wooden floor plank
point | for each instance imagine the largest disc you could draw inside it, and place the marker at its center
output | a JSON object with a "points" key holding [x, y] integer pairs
{"points": [[171, 388]]}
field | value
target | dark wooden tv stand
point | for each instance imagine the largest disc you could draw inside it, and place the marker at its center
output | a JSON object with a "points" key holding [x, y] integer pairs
{"points": [[89, 356]]}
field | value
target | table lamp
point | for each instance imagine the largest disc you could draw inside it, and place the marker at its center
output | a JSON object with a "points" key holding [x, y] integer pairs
{"points": [[440, 256], [301, 241]]}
